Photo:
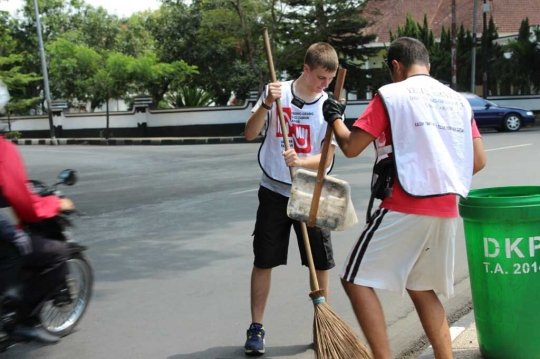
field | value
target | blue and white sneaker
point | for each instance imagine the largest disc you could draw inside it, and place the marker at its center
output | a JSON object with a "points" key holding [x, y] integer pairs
{"points": [[255, 340]]}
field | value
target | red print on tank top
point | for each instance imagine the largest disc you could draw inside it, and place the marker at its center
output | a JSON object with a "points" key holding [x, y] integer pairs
{"points": [[299, 133]]}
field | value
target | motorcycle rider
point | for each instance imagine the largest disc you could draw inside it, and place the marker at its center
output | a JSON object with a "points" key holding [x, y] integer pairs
{"points": [[44, 258]]}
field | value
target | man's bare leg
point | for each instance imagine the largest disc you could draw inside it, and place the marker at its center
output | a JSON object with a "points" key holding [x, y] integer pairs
{"points": [[369, 313], [433, 318], [260, 289]]}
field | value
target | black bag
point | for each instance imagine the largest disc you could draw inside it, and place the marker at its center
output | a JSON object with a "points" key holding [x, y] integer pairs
{"points": [[382, 188]]}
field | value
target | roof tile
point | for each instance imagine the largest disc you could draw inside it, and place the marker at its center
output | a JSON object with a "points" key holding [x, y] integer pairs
{"points": [[389, 14]]}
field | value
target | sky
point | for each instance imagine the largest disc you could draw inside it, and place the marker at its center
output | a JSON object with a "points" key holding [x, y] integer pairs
{"points": [[118, 7]]}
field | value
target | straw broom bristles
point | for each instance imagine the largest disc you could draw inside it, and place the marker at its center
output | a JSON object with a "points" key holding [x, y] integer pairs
{"points": [[334, 339]]}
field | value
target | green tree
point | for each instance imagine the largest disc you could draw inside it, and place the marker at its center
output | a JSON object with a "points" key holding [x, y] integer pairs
{"points": [[174, 28], [237, 27], [425, 34], [440, 58], [12, 73], [70, 66], [7, 43], [464, 54], [535, 76], [520, 64], [98, 29], [494, 54], [439, 52], [338, 22], [410, 29], [112, 80], [58, 17], [416, 31], [156, 78], [134, 37], [217, 37], [17, 82]]}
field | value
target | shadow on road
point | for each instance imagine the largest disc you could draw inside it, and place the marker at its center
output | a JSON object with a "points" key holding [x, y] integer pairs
{"points": [[467, 354], [22, 350], [238, 352]]}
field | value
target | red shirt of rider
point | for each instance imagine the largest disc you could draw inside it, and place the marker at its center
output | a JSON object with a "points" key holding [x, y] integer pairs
{"points": [[28, 206]]}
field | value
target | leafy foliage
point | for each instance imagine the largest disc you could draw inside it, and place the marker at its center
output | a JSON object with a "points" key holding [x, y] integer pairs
{"points": [[17, 82], [188, 97], [156, 78], [464, 54], [521, 65], [217, 37], [70, 67], [200, 52], [439, 52], [512, 69], [12, 135], [338, 22]]}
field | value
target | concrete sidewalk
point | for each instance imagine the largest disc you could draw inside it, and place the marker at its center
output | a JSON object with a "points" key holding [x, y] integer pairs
{"points": [[464, 340], [145, 141]]}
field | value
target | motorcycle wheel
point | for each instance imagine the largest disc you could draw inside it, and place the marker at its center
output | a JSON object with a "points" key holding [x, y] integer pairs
{"points": [[61, 320]]}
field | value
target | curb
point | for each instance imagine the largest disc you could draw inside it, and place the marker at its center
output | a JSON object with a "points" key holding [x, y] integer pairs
{"points": [[136, 141]]}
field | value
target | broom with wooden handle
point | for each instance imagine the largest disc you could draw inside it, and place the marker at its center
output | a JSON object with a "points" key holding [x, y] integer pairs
{"points": [[333, 338]]}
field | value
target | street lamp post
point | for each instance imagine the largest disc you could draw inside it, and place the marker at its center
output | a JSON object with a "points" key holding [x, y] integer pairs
{"points": [[45, 75], [454, 49], [484, 53], [473, 65]]}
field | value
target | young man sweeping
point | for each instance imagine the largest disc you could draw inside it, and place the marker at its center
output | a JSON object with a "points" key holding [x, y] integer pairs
{"points": [[428, 133], [302, 100]]}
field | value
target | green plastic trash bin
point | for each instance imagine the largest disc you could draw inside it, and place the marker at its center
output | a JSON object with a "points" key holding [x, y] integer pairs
{"points": [[502, 233]]}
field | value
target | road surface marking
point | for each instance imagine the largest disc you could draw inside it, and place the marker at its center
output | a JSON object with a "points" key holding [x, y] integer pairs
{"points": [[505, 148], [246, 191]]}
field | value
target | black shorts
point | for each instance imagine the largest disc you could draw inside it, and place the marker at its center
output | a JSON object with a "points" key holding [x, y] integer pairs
{"points": [[272, 232]]}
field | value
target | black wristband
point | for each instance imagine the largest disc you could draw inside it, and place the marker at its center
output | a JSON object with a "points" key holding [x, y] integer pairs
{"points": [[264, 105]]}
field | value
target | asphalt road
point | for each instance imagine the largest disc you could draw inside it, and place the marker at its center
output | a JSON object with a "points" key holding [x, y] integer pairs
{"points": [[169, 230]]}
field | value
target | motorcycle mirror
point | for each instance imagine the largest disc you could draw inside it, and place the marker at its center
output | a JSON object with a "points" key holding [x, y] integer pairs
{"points": [[68, 177]]}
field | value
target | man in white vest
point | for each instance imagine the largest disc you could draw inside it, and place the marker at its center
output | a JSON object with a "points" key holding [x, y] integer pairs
{"points": [[302, 100], [428, 133]]}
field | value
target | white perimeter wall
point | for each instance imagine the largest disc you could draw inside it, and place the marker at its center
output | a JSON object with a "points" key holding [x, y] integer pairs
{"points": [[193, 116]]}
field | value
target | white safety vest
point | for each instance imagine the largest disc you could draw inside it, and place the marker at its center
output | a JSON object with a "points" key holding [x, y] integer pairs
{"points": [[431, 137], [306, 131]]}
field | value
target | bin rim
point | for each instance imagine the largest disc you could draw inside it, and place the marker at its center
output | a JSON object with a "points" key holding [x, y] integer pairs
{"points": [[500, 197]]}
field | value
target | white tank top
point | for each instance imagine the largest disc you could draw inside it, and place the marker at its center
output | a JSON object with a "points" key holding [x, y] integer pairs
{"points": [[431, 137], [306, 131]]}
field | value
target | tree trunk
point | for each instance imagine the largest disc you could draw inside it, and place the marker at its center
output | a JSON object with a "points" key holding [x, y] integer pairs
{"points": [[8, 119], [107, 133], [249, 46]]}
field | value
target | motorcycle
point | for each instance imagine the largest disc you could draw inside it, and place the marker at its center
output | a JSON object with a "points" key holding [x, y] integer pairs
{"points": [[63, 309]]}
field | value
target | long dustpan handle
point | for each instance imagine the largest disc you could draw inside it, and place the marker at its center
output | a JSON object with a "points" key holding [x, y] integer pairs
{"points": [[314, 284], [340, 81]]}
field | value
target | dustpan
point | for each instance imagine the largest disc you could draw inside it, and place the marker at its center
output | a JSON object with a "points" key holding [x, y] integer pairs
{"points": [[320, 200], [335, 212]]}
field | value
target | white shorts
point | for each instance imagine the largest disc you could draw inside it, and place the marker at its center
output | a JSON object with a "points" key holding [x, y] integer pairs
{"points": [[399, 251]]}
